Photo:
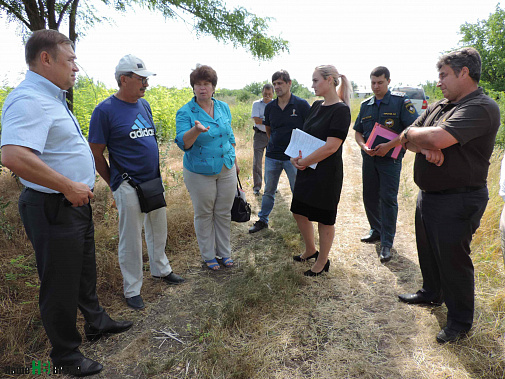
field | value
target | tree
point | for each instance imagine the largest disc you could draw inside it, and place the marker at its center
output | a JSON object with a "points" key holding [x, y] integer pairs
{"points": [[300, 90], [354, 86], [256, 87], [208, 17], [431, 90], [488, 37], [296, 88]]}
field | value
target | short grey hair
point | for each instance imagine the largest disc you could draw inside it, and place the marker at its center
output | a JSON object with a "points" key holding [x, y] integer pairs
{"points": [[119, 74], [467, 57], [267, 86]]}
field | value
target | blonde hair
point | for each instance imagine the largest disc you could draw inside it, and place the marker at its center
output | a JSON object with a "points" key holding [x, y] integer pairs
{"points": [[345, 89]]}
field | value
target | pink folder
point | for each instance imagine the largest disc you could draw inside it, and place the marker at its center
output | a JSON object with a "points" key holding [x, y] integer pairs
{"points": [[381, 134]]}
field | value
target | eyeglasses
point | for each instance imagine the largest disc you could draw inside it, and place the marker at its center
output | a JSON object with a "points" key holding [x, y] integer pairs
{"points": [[143, 80]]}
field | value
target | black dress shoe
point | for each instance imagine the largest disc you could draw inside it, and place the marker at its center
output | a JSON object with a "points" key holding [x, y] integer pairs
{"points": [[83, 367], [113, 327], [312, 273], [171, 278], [298, 258], [450, 335], [419, 298], [372, 236], [385, 255], [257, 226], [135, 302]]}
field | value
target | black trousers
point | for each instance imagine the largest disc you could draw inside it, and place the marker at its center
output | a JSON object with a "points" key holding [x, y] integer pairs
{"points": [[445, 224], [63, 240]]}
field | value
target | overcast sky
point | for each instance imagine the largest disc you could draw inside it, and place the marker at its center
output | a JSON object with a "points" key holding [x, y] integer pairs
{"points": [[355, 36]]}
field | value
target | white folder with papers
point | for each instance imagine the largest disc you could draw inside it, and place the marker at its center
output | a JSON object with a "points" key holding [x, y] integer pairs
{"points": [[304, 142]]}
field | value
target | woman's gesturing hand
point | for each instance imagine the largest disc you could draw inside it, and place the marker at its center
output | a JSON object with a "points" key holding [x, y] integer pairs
{"points": [[200, 127]]}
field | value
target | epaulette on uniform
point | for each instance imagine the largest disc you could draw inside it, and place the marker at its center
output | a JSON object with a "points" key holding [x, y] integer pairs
{"points": [[397, 93], [367, 99]]}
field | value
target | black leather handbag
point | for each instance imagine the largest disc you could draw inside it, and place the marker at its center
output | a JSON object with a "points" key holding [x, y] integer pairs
{"points": [[241, 210]]}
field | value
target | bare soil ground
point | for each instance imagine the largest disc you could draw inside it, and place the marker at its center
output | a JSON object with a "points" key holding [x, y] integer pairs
{"points": [[347, 324]]}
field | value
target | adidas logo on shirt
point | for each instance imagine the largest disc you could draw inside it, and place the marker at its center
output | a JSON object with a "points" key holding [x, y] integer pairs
{"points": [[141, 128]]}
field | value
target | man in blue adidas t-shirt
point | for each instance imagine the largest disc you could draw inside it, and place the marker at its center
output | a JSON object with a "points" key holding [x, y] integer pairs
{"points": [[123, 123]]}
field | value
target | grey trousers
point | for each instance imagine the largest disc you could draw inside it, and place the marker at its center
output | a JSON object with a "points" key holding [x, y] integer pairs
{"points": [[259, 144], [212, 197], [502, 233]]}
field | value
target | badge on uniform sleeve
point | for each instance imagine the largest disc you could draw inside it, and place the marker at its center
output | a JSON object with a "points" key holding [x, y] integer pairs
{"points": [[410, 107], [389, 123]]}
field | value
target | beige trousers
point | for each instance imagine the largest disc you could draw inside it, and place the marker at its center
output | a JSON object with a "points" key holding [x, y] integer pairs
{"points": [[212, 198], [131, 220]]}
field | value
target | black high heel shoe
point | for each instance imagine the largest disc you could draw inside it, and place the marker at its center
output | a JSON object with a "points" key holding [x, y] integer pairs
{"points": [[312, 273], [298, 258]]}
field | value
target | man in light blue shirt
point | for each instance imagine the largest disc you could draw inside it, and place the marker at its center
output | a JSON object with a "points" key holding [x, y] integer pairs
{"points": [[43, 144]]}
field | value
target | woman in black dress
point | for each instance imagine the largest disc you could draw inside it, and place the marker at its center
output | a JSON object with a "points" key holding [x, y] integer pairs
{"points": [[317, 191]]}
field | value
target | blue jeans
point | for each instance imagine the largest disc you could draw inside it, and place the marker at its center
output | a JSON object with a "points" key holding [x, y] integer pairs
{"points": [[381, 179], [273, 170]]}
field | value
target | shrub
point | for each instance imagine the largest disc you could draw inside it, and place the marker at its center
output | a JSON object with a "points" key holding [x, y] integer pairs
{"points": [[165, 102], [87, 95]]}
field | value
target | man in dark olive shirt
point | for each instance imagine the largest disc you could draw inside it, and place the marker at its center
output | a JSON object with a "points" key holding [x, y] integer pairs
{"points": [[453, 140]]}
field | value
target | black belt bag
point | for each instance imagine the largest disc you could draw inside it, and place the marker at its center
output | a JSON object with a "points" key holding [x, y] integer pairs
{"points": [[151, 194]]}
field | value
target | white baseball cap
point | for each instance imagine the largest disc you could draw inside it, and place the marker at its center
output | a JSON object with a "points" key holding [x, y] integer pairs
{"points": [[130, 63]]}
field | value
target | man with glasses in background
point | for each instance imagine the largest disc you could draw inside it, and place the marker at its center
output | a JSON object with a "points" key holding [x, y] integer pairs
{"points": [[260, 134], [123, 123]]}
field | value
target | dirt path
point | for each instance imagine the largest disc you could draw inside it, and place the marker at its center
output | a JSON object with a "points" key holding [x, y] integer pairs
{"points": [[352, 325]]}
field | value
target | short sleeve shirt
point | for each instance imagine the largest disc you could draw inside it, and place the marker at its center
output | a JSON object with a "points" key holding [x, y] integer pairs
{"points": [[35, 115], [473, 122], [129, 133], [320, 188], [258, 110], [282, 122]]}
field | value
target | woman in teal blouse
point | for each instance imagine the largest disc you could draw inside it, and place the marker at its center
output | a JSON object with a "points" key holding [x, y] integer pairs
{"points": [[204, 133]]}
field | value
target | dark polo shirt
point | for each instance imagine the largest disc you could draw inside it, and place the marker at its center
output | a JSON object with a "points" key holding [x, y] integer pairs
{"points": [[282, 122], [473, 122]]}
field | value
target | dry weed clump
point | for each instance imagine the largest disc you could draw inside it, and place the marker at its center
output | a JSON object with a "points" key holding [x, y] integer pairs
{"points": [[20, 324]]}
